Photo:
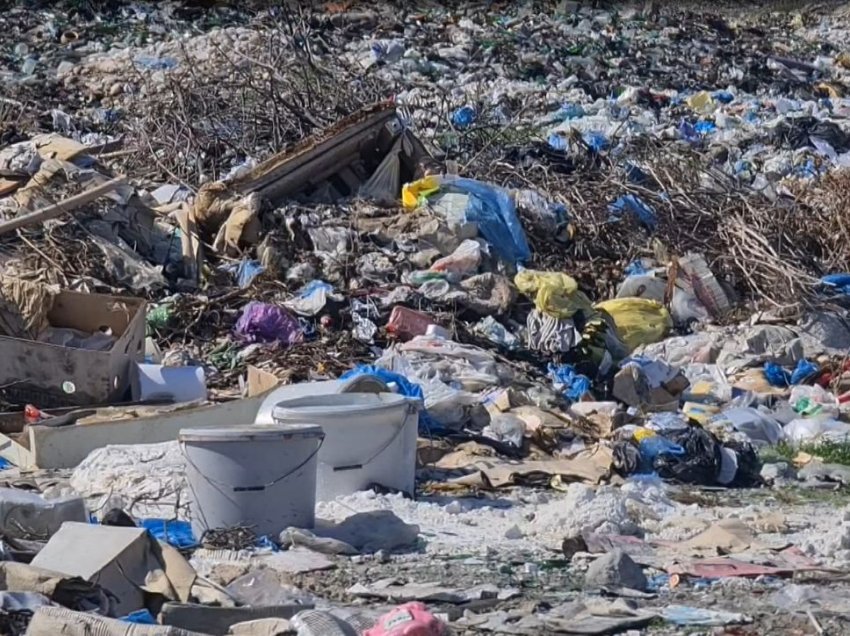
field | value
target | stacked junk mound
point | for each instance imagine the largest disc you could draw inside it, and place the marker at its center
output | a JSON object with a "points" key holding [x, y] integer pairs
{"points": [[525, 318]]}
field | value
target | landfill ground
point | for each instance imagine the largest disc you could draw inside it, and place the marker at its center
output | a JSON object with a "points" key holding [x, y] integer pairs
{"points": [[564, 284]]}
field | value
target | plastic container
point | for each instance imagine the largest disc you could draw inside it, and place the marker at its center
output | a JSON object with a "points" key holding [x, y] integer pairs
{"points": [[262, 476], [370, 439], [179, 384]]}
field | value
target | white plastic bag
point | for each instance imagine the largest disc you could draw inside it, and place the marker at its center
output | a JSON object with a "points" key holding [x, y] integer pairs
{"points": [[813, 401], [809, 429], [463, 262]]}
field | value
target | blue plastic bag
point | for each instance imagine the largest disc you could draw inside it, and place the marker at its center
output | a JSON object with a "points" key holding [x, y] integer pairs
{"points": [[558, 141], [705, 127], [139, 617], [776, 375], [569, 111], [656, 446], [245, 271], [574, 385], [464, 117], [493, 210], [174, 533], [837, 282], [596, 140], [804, 370], [405, 387], [635, 205]]}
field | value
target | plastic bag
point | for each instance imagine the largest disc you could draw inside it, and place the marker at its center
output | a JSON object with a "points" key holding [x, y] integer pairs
{"points": [[804, 370], [554, 293], [574, 385], [639, 321], [415, 194], [547, 216], [493, 211], [261, 322], [708, 384], [174, 532], [463, 262], [759, 427], [813, 400], [631, 203], [651, 447], [496, 333], [700, 463], [811, 428], [311, 298], [410, 619], [507, 428], [776, 375]]}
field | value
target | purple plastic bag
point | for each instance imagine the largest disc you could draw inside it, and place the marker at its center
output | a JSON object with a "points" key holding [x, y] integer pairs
{"points": [[261, 322]]}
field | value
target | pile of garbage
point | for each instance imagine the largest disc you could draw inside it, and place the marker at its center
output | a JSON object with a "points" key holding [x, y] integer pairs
{"points": [[558, 247]]}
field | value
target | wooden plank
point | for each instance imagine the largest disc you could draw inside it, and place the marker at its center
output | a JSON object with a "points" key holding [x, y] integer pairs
{"points": [[57, 209], [67, 446]]}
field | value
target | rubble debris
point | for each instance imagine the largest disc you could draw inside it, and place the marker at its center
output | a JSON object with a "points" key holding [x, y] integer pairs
{"points": [[615, 570]]}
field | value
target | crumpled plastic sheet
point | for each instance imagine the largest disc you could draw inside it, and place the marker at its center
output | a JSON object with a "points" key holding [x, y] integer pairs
{"points": [[493, 211], [262, 322], [441, 376], [245, 271], [635, 205], [311, 299]]}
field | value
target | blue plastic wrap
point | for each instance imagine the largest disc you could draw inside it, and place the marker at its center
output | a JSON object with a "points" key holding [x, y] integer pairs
{"points": [[492, 209], [175, 533], [837, 282], [574, 385], [140, 617], [245, 271], [596, 140], [557, 141], [656, 446], [635, 205], [405, 387]]}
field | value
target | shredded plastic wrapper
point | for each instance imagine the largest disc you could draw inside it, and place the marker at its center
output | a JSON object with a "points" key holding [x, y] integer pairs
{"points": [[261, 322]]}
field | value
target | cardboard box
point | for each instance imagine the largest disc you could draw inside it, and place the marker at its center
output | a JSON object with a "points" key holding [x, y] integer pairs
{"points": [[127, 562], [49, 375]]}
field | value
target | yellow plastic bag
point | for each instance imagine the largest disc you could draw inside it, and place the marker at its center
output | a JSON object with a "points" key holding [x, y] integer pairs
{"points": [[638, 320], [642, 433], [702, 102], [554, 293], [414, 194]]}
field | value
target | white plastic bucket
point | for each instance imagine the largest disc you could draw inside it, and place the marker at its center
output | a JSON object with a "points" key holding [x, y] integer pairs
{"points": [[370, 438], [263, 477]]}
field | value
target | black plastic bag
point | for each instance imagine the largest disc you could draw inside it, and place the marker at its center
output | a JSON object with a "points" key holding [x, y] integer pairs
{"points": [[699, 465]]}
